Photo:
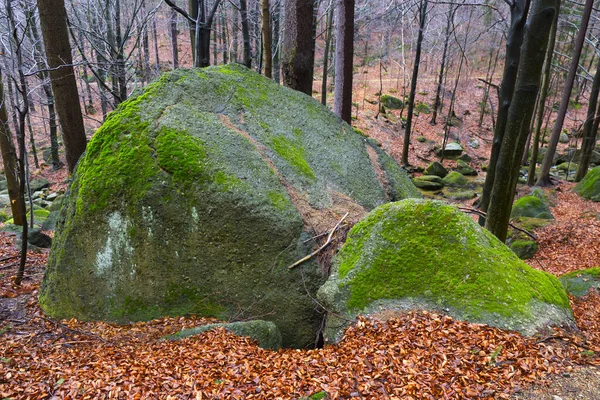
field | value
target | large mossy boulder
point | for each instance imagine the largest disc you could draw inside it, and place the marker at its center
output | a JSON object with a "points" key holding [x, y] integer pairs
{"points": [[427, 254], [196, 194], [589, 187], [428, 182]]}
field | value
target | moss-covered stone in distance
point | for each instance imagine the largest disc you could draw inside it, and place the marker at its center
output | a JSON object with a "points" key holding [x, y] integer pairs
{"points": [[428, 182], [391, 102], [264, 332], [531, 206], [436, 168], [427, 254], [579, 283], [455, 179], [589, 187], [197, 193]]}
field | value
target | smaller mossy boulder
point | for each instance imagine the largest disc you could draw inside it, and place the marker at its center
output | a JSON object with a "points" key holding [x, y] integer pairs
{"points": [[589, 187], [579, 283], [265, 333], [464, 168], [428, 182], [429, 255], [452, 149], [38, 184], [567, 166], [459, 194], [523, 248], [531, 206], [455, 179], [437, 169], [391, 102]]}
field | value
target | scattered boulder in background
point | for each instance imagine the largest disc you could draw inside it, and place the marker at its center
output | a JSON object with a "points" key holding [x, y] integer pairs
{"points": [[455, 179], [391, 102], [437, 169], [452, 149], [531, 206], [563, 138], [579, 283], [466, 158], [589, 187], [523, 248], [264, 332], [428, 255], [38, 184], [574, 155], [464, 168], [428, 182], [39, 239], [473, 143], [197, 193]]}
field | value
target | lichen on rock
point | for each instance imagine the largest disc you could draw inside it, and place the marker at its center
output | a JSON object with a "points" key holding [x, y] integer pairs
{"points": [[427, 254]]}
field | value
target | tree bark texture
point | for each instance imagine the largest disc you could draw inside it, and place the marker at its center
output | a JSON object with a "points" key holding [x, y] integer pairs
{"points": [[344, 60], [544, 175], [297, 62], [53, 20], [589, 133], [519, 116], [542, 100], [266, 28], [514, 41], [413, 82], [9, 158]]}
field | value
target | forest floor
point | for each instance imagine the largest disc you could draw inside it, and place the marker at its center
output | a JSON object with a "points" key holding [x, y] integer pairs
{"points": [[420, 355]]}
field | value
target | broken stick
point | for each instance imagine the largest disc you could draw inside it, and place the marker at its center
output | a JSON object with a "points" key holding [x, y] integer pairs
{"points": [[327, 242]]}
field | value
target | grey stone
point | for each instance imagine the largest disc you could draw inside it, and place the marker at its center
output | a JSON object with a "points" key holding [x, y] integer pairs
{"points": [[264, 332], [196, 195]]}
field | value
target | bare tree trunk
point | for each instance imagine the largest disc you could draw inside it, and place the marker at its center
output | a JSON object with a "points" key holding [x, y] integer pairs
{"points": [[193, 14], [542, 99], [9, 159], [589, 134], [344, 56], [544, 176], [275, 43], [438, 100], [39, 55], [266, 28], [58, 51], [174, 41], [234, 33], [224, 36], [246, 33], [514, 40], [519, 116], [413, 82], [22, 160], [328, 34], [298, 55], [155, 37]]}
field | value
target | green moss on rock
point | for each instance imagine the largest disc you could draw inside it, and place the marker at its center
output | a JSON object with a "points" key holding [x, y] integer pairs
{"points": [[531, 206], [589, 187], [391, 102], [182, 203], [579, 283], [455, 179], [427, 254]]}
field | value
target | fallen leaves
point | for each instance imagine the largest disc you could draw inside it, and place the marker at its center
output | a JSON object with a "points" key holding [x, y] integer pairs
{"points": [[418, 355]]}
